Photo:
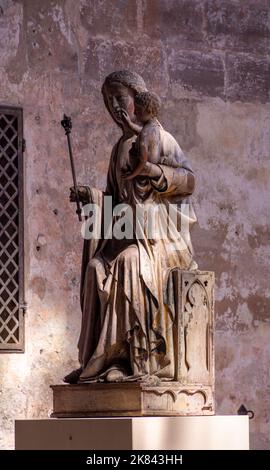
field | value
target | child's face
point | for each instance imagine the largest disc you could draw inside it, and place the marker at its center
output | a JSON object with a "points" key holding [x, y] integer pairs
{"points": [[141, 113]]}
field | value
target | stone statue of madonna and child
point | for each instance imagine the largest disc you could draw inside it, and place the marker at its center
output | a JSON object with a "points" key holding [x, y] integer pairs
{"points": [[127, 295]]}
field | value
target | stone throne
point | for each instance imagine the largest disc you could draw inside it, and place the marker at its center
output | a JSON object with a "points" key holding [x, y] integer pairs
{"points": [[190, 295]]}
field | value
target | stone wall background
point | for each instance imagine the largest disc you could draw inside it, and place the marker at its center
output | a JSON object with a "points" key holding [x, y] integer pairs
{"points": [[209, 60]]}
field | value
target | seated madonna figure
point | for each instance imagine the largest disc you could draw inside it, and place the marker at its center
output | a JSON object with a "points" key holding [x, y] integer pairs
{"points": [[126, 330]]}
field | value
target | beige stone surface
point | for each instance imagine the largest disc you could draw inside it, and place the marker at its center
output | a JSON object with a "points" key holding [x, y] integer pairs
{"points": [[181, 433], [54, 56]]}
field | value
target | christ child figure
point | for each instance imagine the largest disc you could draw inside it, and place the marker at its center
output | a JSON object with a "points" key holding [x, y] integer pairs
{"points": [[148, 145]]}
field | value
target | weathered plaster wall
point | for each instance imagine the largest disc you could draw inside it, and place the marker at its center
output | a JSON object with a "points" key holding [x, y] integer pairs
{"points": [[209, 61]]}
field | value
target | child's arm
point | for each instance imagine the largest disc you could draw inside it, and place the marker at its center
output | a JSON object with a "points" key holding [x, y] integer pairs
{"points": [[135, 127]]}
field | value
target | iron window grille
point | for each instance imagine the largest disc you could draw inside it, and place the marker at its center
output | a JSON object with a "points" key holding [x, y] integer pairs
{"points": [[12, 304]]}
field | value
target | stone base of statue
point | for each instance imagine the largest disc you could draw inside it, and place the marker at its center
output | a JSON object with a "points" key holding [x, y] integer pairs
{"points": [[131, 399], [190, 294]]}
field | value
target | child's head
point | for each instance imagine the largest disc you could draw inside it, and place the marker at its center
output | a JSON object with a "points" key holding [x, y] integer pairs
{"points": [[147, 105]]}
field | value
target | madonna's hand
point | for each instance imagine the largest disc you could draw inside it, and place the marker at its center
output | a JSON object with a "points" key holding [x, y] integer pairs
{"points": [[151, 170], [82, 193]]}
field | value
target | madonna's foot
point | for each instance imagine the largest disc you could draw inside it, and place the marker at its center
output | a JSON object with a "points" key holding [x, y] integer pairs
{"points": [[73, 377], [115, 374]]}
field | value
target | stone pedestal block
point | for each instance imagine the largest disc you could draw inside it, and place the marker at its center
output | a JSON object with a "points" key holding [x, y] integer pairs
{"points": [[131, 399], [167, 433]]}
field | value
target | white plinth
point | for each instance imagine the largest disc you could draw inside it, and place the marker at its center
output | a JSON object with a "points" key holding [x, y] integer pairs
{"points": [[153, 433]]}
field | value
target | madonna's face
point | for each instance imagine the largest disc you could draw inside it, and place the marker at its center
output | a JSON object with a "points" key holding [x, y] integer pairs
{"points": [[120, 97]]}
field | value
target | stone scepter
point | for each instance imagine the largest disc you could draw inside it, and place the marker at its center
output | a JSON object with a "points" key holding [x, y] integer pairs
{"points": [[67, 125]]}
